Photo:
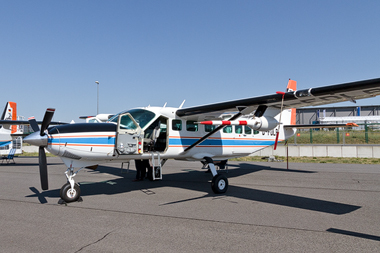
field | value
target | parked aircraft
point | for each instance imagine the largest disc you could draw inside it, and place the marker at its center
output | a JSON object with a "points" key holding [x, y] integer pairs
{"points": [[100, 118], [9, 133], [209, 133], [12, 129]]}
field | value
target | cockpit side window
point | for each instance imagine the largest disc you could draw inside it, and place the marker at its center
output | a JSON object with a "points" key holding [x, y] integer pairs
{"points": [[127, 123], [142, 117]]}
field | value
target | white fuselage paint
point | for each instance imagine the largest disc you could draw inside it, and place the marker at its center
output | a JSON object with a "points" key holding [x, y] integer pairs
{"points": [[80, 149]]}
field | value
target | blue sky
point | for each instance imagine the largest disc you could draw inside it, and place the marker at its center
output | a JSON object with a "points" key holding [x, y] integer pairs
{"points": [[153, 52]]}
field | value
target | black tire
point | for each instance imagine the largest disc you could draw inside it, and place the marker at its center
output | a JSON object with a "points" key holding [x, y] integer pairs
{"points": [[69, 196], [219, 184]]}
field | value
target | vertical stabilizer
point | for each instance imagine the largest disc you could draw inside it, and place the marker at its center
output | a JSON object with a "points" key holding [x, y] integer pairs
{"points": [[292, 86], [10, 113]]}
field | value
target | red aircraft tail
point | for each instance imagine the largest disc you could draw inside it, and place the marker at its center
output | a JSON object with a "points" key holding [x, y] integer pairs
{"points": [[10, 113], [292, 86]]}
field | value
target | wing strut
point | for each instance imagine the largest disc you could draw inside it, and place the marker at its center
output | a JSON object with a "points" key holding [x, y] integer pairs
{"points": [[278, 130], [259, 112]]}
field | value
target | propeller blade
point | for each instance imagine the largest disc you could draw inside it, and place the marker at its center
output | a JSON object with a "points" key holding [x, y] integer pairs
{"points": [[47, 119], [43, 168], [33, 124]]}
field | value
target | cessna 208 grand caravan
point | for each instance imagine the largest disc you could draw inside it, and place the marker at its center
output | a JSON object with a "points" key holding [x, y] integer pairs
{"points": [[209, 133]]}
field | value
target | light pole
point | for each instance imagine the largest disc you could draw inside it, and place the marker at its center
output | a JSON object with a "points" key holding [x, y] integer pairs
{"points": [[97, 104]]}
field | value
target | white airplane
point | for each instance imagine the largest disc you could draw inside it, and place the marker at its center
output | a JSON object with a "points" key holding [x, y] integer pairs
{"points": [[12, 129], [209, 133]]}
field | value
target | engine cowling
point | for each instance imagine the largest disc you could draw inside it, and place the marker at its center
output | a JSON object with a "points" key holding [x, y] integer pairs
{"points": [[264, 123]]}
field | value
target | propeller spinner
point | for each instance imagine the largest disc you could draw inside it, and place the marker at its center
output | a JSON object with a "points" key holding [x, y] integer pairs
{"points": [[40, 139]]}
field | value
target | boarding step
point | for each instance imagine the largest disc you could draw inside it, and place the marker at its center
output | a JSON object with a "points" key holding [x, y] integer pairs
{"points": [[157, 165]]}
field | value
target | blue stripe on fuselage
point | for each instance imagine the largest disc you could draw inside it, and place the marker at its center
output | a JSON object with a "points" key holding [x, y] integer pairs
{"points": [[220, 142], [84, 140]]}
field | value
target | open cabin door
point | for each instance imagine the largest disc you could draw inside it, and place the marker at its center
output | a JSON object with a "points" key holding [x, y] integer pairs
{"points": [[129, 136], [156, 136]]}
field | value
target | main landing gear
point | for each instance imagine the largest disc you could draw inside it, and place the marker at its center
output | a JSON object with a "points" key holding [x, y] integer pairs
{"points": [[219, 183], [70, 191]]}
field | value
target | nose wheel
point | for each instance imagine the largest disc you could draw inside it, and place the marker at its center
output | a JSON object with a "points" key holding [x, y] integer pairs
{"points": [[70, 191], [68, 194]]}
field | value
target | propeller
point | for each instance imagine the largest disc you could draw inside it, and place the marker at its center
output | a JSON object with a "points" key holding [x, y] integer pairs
{"points": [[40, 139], [47, 119], [33, 124]]}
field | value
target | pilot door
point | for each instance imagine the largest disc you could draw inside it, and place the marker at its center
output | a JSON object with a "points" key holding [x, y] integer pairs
{"points": [[129, 136]]}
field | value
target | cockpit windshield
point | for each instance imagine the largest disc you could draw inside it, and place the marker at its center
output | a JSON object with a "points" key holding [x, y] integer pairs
{"points": [[141, 116]]}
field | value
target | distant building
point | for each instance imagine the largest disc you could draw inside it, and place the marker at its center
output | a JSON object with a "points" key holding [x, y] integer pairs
{"points": [[324, 115]]}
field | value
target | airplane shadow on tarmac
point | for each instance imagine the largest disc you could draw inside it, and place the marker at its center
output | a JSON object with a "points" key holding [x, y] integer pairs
{"points": [[200, 181]]}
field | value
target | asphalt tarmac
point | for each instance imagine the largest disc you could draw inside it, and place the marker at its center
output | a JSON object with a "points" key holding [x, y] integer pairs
{"points": [[267, 208]]}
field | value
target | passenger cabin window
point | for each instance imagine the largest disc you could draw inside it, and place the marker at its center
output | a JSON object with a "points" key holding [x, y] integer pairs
{"points": [[209, 128], [177, 124], [227, 129], [239, 129], [191, 126], [256, 132], [247, 130]]}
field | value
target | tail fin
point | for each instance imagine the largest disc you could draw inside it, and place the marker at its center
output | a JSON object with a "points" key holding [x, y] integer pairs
{"points": [[10, 113], [292, 86]]}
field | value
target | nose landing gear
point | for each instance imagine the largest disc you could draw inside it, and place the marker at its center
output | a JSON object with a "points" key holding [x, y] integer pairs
{"points": [[70, 191], [68, 194]]}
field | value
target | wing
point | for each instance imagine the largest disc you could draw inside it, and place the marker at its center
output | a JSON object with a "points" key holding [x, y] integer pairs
{"points": [[321, 126], [294, 99], [25, 122]]}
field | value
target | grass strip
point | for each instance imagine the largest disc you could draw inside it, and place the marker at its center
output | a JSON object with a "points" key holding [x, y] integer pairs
{"points": [[304, 159]]}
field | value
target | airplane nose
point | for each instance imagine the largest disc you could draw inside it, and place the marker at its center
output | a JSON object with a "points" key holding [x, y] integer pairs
{"points": [[36, 139]]}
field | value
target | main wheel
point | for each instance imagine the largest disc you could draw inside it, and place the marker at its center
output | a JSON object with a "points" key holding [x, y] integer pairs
{"points": [[219, 184], [69, 195]]}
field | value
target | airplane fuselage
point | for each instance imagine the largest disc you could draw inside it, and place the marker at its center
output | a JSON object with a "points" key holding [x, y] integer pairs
{"points": [[86, 144]]}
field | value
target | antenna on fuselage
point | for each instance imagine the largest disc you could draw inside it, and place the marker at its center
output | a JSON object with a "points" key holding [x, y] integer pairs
{"points": [[180, 107], [164, 105]]}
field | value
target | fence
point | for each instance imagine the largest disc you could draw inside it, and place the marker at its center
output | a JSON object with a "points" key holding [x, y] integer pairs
{"points": [[364, 134]]}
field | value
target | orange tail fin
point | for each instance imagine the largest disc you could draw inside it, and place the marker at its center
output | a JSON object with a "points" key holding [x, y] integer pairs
{"points": [[10, 113], [292, 86]]}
